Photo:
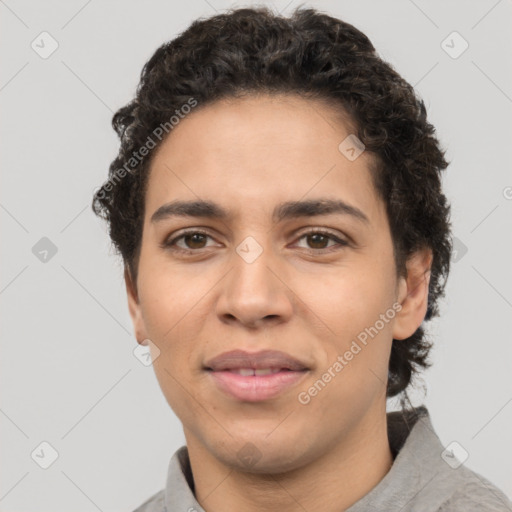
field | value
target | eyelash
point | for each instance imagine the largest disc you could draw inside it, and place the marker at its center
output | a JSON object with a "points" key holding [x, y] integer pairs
{"points": [[168, 244]]}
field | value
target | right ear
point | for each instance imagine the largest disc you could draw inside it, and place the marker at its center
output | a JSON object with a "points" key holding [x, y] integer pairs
{"points": [[135, 309]]}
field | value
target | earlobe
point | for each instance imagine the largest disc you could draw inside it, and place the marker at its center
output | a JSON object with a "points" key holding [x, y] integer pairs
{"points": [[135, 309], [413, 294]]}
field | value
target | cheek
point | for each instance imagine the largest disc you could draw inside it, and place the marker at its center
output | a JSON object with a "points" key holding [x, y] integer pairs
{"points": [[167, 296], [350, 299], [357, 308], [169, 308], [176, 369]]}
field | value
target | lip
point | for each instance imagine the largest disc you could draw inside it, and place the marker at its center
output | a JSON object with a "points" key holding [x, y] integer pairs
{"points": [[256, 388], [222, 370], [257, 360]]}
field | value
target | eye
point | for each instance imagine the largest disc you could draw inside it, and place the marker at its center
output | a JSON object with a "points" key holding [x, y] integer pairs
{"points": [[318, 238], [193, 240]]}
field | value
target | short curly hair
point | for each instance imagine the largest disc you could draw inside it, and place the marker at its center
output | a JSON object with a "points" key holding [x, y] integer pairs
{"points": [[253, 50]]}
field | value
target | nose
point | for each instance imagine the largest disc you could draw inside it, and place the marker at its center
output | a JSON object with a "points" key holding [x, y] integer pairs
{"points": [[255, 294]]}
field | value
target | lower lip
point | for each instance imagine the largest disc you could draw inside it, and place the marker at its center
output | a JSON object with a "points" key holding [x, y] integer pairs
{"points": [[256, 388]]}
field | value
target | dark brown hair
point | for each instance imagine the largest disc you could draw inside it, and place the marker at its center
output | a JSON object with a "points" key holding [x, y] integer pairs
{"points": [[251, 51]]}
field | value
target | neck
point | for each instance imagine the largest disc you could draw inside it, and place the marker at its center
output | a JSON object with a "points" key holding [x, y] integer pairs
{"points": [[331, 482]]}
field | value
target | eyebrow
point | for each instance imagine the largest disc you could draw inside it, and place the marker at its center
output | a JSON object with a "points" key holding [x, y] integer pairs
{"points": [[283, 211]]}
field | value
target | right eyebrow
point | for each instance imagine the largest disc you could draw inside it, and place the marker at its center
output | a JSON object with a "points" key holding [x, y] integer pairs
{"points": [[197, 208]]}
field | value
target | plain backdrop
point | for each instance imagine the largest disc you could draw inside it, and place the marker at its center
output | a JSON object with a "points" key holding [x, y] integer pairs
{"points": [[68, 374]]}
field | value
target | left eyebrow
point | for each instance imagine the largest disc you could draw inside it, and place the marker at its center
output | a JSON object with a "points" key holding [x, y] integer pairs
{"points": [[283, 211], [313, 207]]}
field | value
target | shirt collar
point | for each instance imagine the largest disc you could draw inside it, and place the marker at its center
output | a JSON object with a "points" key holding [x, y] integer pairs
{"points": [[418, 463]]}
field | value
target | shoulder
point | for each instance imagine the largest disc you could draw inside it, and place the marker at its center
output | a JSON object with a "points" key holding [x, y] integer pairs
{"points": [[471, 491], [153, 504], [427, 476]]}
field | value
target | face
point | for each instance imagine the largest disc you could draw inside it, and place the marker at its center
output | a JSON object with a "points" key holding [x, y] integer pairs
{"points": [[277, 272]]}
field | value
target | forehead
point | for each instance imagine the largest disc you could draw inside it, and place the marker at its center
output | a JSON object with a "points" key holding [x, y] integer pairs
{"points": [[250, 154]]}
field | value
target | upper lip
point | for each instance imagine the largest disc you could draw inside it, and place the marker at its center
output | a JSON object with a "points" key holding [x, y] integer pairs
{"points": [[236, 359]]}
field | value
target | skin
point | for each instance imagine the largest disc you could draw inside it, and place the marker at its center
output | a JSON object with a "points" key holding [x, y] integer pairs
{"points": [[309, 297]]}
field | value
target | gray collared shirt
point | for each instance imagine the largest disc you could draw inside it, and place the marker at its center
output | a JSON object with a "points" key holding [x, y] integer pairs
{"points": [[424, 477]]}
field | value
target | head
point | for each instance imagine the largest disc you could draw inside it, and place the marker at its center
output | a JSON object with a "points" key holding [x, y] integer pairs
{"points": [[314, 213]]}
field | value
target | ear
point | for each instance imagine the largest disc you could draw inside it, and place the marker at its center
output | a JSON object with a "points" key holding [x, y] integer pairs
{"points": [[135, 309], [413, 294]]}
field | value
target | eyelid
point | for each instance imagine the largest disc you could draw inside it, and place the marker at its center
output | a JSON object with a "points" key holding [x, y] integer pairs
{"points": [[340, 241], [171, 239], [323, 231]]}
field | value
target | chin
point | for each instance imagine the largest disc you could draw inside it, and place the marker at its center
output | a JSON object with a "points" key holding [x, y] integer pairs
{"points": [[257, 455]]}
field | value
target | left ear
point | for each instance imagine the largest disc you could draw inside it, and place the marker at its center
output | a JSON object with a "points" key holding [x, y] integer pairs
{"points": [[413, 294]]}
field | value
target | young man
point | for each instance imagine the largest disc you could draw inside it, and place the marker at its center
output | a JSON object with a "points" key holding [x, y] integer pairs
{"points": [[277, 204]]}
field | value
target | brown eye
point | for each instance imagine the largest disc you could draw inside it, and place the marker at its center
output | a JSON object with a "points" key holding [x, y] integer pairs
{"points": [[189, 241], [195, 240], [317, 240]]}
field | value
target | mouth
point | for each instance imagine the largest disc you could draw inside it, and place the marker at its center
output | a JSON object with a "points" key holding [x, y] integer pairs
{"points": [[255, 377], [259, 372]]}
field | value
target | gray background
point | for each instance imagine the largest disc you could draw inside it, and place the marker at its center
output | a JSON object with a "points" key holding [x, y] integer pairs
{"points": [[68, 374]]}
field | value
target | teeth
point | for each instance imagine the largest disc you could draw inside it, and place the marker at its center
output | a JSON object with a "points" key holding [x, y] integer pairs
{"points": [[245, 372], [264, 371], [248, 372]]}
